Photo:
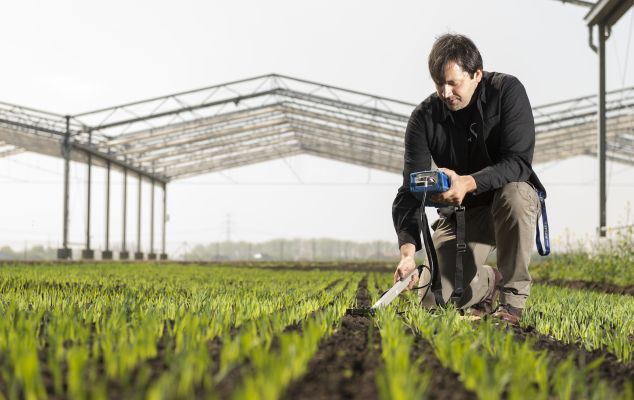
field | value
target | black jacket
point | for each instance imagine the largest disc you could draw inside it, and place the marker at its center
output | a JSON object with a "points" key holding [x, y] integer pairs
{"points": [[503, 134]]}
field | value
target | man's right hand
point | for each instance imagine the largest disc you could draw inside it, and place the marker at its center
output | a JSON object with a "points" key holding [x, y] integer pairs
{"points": [[460, 186], [407, 265]]}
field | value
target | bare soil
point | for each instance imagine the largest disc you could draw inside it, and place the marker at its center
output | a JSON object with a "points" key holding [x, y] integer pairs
{"points": [[610, 370], [444, 383], [604, 287], [345, 363]]}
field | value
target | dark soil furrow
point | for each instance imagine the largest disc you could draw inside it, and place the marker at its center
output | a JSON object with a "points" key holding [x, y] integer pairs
{"points": [[610, 370], [603, 287], [444, 383], [344, 366], [230, 383]]}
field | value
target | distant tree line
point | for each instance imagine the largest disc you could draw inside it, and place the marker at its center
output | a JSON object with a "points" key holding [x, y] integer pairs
{"points": [[322, 249], [33, 253], [295, 250]]}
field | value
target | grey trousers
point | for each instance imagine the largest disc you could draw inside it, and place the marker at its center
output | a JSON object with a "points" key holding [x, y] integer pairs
{"points": [[508, 224]]}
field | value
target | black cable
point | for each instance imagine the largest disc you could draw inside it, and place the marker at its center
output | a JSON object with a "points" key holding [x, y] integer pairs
{"points": [[427, 286], [431, 273]]}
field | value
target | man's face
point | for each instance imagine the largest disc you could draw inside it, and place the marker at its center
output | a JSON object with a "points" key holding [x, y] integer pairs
{"points": [[458, 88]]}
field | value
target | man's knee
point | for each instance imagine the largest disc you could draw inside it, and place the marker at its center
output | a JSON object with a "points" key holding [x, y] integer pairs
{"points": [[515, 201]]}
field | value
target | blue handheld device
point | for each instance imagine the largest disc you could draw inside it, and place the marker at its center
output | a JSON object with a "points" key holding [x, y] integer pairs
{"points": [[429, 181], [425, 182]]}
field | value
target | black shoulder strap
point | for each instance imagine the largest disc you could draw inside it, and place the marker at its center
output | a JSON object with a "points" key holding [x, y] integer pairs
{"points": [[461, 247]]}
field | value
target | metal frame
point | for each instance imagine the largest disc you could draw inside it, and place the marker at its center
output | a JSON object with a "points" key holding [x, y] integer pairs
{"points": [[243, 122], [269, 117], [569, 128], [603, 14]]}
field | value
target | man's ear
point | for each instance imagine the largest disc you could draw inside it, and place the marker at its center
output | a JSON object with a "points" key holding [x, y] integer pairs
{"points": [[478, 75]]}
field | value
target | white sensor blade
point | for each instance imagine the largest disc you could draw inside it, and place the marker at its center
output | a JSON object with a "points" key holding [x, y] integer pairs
{"points": [[394, 291]]}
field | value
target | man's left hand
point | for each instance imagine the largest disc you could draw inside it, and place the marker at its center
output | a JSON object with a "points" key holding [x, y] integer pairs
{"points": [[460, 186]]}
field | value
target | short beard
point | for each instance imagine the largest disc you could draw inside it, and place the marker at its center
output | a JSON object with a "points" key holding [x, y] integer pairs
{"points": [[456, 107]]}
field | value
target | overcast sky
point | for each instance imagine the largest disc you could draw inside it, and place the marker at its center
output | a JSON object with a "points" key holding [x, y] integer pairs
{"points": [[74, 56]]}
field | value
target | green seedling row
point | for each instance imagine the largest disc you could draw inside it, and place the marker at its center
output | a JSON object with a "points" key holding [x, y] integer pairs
{"points": [[590, 319], [253, 340], [143, 330], [493, 364], [259, 333], [270, 373], [400, 378], [172, 331]]}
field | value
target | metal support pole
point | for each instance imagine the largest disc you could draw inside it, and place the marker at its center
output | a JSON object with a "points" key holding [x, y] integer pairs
{"points": [[88, 193], [123, 254], [65, 253], [601, 156], [88, 253], [163, 253], [107, 254], [152, 254], [138, 255]]}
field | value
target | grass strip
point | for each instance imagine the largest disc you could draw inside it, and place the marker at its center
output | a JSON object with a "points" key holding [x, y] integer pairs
{"points": [[595, 321]]}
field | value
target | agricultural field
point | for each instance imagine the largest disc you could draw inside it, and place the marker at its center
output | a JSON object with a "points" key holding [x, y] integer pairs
{"points": [[176, 331], [609, 267]]}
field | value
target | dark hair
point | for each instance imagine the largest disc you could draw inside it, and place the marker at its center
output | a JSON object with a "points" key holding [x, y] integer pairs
{"points": [[453, 48]]}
